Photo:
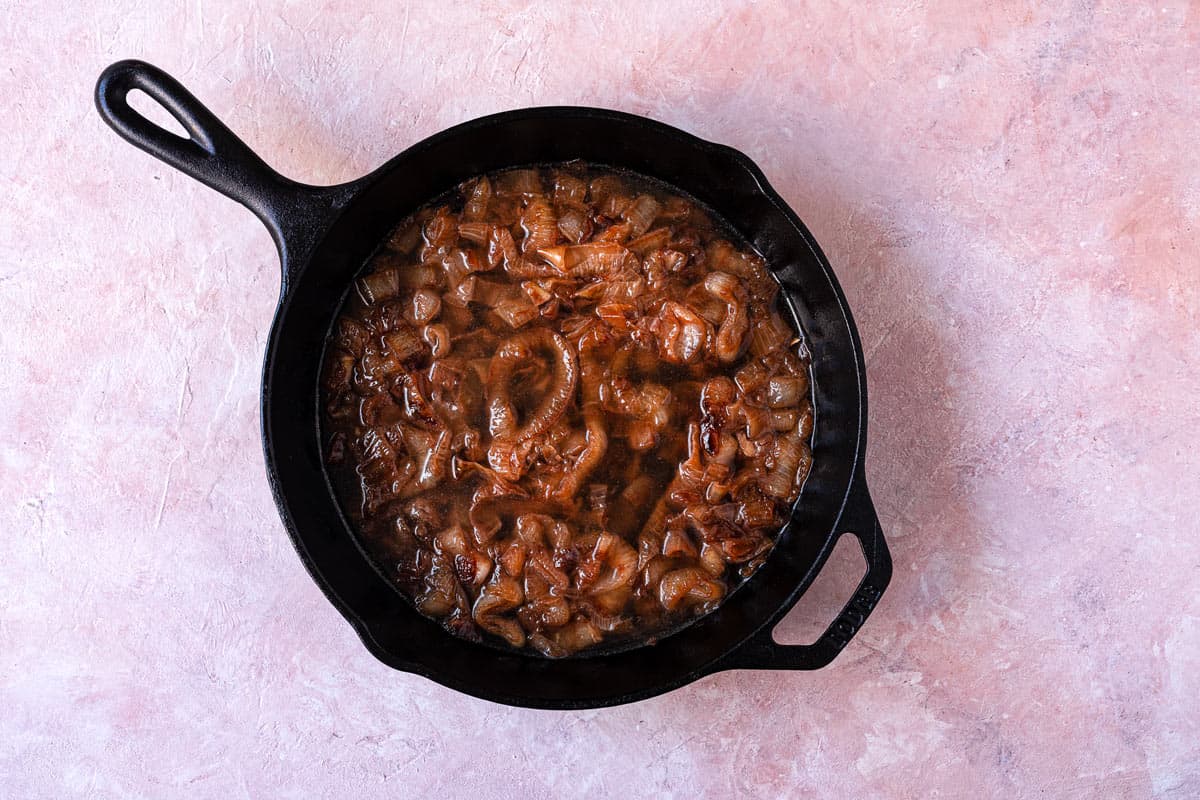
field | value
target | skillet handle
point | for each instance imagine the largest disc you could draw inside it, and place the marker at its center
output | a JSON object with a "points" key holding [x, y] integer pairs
{"points": [[858, 519], [295, 213]]}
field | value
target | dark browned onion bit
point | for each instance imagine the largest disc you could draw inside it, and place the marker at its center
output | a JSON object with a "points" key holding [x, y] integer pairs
{"points": [[565, 410]]}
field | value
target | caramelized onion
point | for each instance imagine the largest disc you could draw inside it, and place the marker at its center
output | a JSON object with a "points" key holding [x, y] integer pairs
{"points": [[568, 409], [640, 214], [477, 201]]}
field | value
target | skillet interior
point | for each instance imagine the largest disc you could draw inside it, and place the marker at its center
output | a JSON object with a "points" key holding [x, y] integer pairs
{"points": [[715, 175]]}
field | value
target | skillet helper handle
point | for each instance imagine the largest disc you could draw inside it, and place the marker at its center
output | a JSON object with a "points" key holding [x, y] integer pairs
{"points": [[295, 213], [859, 520]]}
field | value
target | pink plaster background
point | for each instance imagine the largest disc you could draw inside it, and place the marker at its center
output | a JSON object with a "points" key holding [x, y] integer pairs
{"points": [[1010, 193]]}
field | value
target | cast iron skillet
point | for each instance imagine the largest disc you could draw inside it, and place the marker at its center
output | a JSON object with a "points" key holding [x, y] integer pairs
{"points": [[325, 233]]}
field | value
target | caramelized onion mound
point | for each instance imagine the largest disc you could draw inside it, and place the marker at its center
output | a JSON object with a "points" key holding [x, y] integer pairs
{"points": [[563, 409]]}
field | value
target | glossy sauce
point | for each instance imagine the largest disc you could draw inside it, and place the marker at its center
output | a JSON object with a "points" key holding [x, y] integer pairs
{"points": [[563, 410]]}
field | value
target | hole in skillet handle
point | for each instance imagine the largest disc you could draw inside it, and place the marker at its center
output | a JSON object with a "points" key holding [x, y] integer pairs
{"points": [[761, 651], [826, 596], [146, 105]]}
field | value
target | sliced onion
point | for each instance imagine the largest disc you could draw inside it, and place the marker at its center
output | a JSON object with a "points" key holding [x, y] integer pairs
{"points": [[785, 391], [476, 232], [519, 181], [537, 294], [784, 420], [403, 343], [405, 239], [379, 286], [502, 248], [654, 240], [570, 191], [516, 311], [769, 334], [489, 293], [424, 307], [640, 214], [438, 339], [463, 293], [539, 224], [476, 206], [574, 225]]}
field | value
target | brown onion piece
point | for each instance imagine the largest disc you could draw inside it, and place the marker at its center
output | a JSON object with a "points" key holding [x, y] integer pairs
{"points": [[524, 268], [379, 286], [786, 391], [593, 415], [502, 595], [677, 544], [629, 508], [731, 336], [538, 294], [436, 464], [403, 343], [640, 214], [570, 191], [587, 260], [791, 454], [501, 247], [475, 232], [712, 560], [351, 336], [438, 339], [604, 186], [688, 586], [683, 335], [440, 232], [722, 256], [519, 182], [654, 240], [615, 565], [442, 592], [613, 207], [614, 234], [424, 307], [578, 635], [768, 334], [477, 202], [619, 316], [512, 351], [661, 265], [516, 311], [804, 428], [405, 238], [540, 226], [575, 226]]}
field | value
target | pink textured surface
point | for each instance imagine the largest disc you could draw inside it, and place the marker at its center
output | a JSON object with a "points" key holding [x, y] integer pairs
{"points": [[1009, 194]]}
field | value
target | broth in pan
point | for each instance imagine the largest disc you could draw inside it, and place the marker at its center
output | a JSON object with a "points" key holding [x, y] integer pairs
{"points": [[563, 409]]}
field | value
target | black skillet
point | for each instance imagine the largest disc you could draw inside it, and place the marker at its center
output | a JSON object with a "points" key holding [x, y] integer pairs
{"points": [[325, 233]]}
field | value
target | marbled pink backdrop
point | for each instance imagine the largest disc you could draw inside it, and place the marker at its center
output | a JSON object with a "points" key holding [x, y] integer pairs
{"points": [[1010, 193]]}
